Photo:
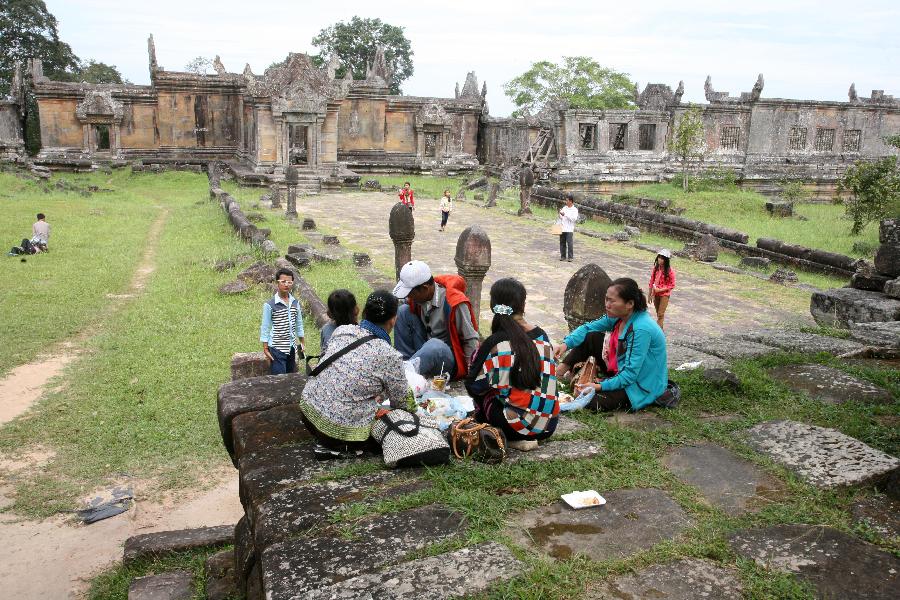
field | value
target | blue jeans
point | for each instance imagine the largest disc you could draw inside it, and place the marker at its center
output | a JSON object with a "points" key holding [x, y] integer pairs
{"points": [[281, 362], [412, 341]]}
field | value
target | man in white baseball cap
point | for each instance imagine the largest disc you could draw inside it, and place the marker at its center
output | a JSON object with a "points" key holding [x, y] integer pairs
{"points": [[436, 324]]}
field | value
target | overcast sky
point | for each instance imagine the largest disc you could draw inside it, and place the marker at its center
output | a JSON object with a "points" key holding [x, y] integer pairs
{"points": [[805, 49]]}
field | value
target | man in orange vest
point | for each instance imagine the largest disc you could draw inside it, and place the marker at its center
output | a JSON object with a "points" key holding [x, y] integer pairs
{"points": [[436, 324]]}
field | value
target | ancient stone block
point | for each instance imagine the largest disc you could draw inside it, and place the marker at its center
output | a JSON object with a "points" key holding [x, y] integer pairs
{"points": [[829, 385], [220, 581], [255, 394], [883, 335], [293, 569], [641, 420], [778, 208], [621, 236], [269, 247], [331, 240], [835, 564], [678, 355], [783, 276], [839, 307], [632, 231], [177, 585], [477, 183], [822, 457], [889, 231], [887, 260], [755, 262], [298, 260], [722, 378], [880, 513], [730, 483], [568, 425], [685, 579], [892, 288], [249, 364], [632, 520], [372, 184], [258, 272], [728, 347], [552, 450], [868, 281], [268, 428], [234, 287], [308, 225], [163, 543], [707, 249], [465, 572], [361, 259], [584, 297], [799, 341]]}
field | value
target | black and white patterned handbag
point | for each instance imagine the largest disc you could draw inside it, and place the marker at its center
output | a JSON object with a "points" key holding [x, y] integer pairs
{"points": [[408, 440]]}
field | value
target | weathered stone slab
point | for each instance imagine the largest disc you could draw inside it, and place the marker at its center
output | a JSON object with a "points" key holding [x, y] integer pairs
{"points": [[162, 543], [268, 428], [244, 554], [722, 378], [839, 307], [292, 569], [881, 513], [568, 425], [641, 420], [678, 355], [799, 341], [264, 472], [726, 481], [552, 450], [632, 520], [728, 347], [687, 579], [220, 582], [456, 574], [177, 585], [836, 564], [829, 385], [823, 457], [295, 511], [255, 394], [248, 364], [884, 335]]}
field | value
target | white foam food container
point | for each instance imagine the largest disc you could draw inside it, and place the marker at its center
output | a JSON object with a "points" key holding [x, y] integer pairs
{"points": [[585, 499]]}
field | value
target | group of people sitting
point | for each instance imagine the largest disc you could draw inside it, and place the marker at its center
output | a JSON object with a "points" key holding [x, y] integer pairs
{"points": [[511, 375]]}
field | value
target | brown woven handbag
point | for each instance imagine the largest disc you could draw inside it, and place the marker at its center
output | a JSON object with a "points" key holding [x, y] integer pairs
{"points": [[482, 442]]}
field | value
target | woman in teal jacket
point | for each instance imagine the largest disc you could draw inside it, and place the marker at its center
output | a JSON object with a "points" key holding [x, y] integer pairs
{"points": [[637, 354]]}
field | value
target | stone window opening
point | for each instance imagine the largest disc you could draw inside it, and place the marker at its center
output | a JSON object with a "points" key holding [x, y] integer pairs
{"points": [[852, 138], [647, 135], [431, 144], [824, 139], [617, 132], [797, 138], [730, 138], [587, 133], [101, 137]]}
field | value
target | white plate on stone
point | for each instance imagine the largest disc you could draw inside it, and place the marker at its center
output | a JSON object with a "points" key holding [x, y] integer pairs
{"points": [[585, 499]]}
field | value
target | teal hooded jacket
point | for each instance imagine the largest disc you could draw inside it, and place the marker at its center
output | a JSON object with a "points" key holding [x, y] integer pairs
{"points": [[643, 365]]}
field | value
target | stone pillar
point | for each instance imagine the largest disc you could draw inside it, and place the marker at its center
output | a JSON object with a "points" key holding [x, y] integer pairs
{"points": [[291, 178], [526, 182], [402, 228], [473, 259], [585, 296], [492, 195], [275, 193]]}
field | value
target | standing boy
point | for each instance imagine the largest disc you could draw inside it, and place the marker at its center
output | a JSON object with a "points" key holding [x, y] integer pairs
{"points": [[568, 214], [446, 207], [282, 326], [407, 196]]}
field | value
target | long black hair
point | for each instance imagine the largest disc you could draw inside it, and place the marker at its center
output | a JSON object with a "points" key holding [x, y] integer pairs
{"points": [[340, 307], [525, 373], [666, 266], [381, 307], [629, 290]]}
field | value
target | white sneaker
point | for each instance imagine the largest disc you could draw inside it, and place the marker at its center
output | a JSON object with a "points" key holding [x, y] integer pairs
{"points": [[523, 445]]}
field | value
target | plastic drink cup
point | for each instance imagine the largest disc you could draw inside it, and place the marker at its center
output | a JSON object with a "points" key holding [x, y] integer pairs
{"points": [[439, 382]]}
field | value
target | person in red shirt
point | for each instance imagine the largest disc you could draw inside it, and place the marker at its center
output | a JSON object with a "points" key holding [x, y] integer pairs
{"points": [[406, 196], [662, 282]]}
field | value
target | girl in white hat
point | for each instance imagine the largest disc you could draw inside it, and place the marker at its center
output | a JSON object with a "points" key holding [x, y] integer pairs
{"points": [[662, 282]]}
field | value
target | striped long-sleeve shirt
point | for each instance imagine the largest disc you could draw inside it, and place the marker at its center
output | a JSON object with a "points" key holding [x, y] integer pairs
{"points": [[282, 323]]}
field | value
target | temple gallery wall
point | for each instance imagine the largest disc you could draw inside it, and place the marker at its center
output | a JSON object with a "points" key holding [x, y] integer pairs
{"points": [[330, 129]]}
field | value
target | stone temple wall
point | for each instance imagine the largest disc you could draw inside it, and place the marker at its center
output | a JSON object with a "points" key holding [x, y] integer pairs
{"points": [[11, 141]]}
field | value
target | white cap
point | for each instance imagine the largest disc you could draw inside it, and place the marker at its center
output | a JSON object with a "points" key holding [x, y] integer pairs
{"points": [[665, 252], [413, 273]]}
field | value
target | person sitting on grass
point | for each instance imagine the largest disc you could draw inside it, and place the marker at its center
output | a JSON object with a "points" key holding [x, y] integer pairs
{"points": [[637, 363], [342, 310], [40, 233], [282, 326], [341, 402], [513, 376]]}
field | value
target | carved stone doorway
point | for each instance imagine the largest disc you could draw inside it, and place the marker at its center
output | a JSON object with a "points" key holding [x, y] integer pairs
{"points": [[298, 144]]}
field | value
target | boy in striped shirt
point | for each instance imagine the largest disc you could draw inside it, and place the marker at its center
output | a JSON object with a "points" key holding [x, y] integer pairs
{"points": [[282, 326]]}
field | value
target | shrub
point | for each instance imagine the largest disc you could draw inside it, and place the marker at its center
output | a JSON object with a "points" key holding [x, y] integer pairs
{"points": [[793, 191], [874, 189]]}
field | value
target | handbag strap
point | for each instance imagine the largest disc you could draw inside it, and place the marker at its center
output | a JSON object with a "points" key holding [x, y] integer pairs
{"points": [[355, 344], [466, 428], [395, 425]]}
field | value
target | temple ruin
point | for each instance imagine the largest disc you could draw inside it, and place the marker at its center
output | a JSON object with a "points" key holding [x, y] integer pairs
{"points": [[331, 129]]}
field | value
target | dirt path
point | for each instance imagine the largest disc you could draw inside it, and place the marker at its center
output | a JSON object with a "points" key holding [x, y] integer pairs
{"points": [[56, 558]]}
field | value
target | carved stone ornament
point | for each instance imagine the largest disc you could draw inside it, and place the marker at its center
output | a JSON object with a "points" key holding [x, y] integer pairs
{"points": [[99, 107], [432, 114], [295, 86], [656, 96]]}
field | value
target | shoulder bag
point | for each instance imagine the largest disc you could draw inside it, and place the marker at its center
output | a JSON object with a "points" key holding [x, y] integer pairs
{"points": [[484, 443], [321, 366], [408, 440]]}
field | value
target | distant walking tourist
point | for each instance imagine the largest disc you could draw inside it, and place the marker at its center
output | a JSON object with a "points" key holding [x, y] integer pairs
{"points": [[446, 207], [40, 233], [342, 310], [359, 371], [513, 376], [568, 214], [282, 326], [662, 282], [407, 196], [636, 364]]}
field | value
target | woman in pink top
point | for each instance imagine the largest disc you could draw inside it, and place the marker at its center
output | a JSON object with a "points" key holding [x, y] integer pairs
{"points": [[662, 282]]}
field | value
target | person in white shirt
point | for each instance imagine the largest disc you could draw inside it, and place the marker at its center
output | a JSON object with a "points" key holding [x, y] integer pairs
{"points": [[446, 207], [568, 214], [40, 233]]}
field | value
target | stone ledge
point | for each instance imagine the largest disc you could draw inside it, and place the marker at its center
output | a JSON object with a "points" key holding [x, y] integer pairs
{"points": [[163, 543], [175, 585]]}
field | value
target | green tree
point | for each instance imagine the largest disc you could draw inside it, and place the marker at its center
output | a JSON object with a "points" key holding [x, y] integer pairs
{"points": [[687, 142], [28, 30], [874, 189], [200, 65], [354, 45], [578, 80], [91, 71]]}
